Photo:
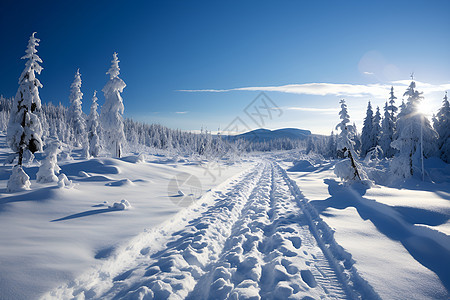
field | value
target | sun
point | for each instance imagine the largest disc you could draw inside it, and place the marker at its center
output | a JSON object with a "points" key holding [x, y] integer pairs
{"points": [[425, 108]]}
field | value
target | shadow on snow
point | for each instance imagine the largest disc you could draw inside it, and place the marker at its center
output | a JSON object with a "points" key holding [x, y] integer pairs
{"points": [[427, 246]]}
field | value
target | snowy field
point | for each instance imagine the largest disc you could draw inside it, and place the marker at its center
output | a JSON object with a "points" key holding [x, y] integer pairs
{"points": [[266, 227]]}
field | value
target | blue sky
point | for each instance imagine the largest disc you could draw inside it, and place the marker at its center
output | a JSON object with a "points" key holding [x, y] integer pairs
{"points": [[168, 47]]}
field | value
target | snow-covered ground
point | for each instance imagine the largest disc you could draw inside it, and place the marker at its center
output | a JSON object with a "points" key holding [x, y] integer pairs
{"points": [[398, 237], [264, 227]]}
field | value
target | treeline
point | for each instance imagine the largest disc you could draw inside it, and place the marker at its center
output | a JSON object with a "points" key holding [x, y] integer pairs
{"points": [[403, 135]]}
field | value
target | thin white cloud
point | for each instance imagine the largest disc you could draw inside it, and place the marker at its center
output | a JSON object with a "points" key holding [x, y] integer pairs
{"points": [[312, 109], [337, 89], [181, 112], [368, 73]]}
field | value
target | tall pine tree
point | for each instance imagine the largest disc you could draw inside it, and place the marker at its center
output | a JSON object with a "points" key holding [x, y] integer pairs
{"points": [[93, 128], [76, 118], [24, 128], [376, 127], [367, 138], [344, 142], [112, 111], [387, 133], [442, 126]]}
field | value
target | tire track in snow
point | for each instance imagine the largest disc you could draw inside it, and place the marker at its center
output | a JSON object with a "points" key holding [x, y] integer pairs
{"points": [[271, 253], [259, 239]]}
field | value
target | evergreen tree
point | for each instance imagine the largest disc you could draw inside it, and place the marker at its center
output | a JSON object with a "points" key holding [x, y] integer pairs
{"points": [[441, 122], [112, 111], [367, 138], [93, 127], [76, 119], [24, 127], [376, 128], [392, 108], [387, 133], [331, 146], [344, 141], [415, 138]]}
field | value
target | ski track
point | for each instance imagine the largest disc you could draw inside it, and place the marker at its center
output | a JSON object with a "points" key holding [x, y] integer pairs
{"points": [[259, 239]]}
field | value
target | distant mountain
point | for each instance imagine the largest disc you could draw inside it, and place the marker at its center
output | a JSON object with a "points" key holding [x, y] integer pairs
{"points": [[266, 134]]}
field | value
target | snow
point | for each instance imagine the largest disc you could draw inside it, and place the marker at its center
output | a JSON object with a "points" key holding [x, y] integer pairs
{"points": [[276, 225], [122, 205], [18, 181], [398, 237], [50, 236]]}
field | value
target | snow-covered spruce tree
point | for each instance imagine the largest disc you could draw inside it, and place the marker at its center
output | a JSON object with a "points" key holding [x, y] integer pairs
{"points": [[49, 168], [387, 133], [415, 137], [442, 126], [112, 111], [367, 138], [93, 128], [392, 108], [76, 119], [331, 146], [348, 168], [376, 128], [24, 127]]}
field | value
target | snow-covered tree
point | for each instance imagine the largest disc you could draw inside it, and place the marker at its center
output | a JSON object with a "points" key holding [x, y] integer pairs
{"points": [[112, 111], [93, 128], [367, 138], [345, 143], [331, 146], [24, 127], [49, 168], [376, 128], [442, 126], [76, 119], [387, 133], [415, 139], [392, 108]]}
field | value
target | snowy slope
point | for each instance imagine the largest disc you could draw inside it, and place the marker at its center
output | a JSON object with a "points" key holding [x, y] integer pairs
{"points": [[399, 238]]}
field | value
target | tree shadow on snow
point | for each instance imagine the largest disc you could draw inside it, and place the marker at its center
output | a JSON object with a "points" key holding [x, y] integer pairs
{"points": [[85, 214], [38, 195], [429, 247]]}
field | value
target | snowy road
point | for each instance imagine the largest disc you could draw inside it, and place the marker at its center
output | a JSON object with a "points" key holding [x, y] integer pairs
{"points": [[252, 237]]}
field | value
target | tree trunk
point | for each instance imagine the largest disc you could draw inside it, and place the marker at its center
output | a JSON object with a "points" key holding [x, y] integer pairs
{"points": [[353, 163]]}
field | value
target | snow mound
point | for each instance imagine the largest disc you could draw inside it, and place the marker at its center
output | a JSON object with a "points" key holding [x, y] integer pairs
{"points": [[63, 181], [19, 180], [122, 205], [135, 159], [302, 166], [122, 182]]}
